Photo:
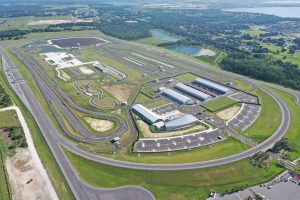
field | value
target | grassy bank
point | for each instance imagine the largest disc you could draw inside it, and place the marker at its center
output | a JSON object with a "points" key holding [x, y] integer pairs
{"points": [[268, 121], [170, 185], [42, 148], [293, 133]]}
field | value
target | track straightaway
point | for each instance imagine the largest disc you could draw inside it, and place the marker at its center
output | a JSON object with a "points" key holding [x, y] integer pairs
{"points": [[80, 189]]}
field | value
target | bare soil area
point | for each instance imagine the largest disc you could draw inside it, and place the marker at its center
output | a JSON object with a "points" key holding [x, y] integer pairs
{"points": [[206, 52], [228, 113], [56, 21], [86, 70], [26, 181], [99, 124], [120, 92], [148, 134]]}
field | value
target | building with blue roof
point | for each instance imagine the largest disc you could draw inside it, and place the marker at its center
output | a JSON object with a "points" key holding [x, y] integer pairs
{"points": [[193, 92], [213, 86], [181, 122]]}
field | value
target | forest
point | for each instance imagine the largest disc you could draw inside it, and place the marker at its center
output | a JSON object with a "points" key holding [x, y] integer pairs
{"points": [[244, 53]]}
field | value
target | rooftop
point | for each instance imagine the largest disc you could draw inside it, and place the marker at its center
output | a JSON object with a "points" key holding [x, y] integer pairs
{"points": [[212, 84]]}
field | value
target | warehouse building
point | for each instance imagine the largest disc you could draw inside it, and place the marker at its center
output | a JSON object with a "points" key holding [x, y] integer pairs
{"points": [[181, 122], [145, 114], [213, 86], [177, 96], [193, 92]]}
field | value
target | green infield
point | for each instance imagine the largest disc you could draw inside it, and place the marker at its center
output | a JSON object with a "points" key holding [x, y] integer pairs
{"points": [[220, 104], [180, 185], [218, 150], [268, 121], [187, 77], [293, 133]]}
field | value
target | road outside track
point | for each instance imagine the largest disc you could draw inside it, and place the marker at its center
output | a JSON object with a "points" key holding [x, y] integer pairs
{"points": [[80, 189]]}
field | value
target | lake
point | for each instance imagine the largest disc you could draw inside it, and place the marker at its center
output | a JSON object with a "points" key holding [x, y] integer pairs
{"points": [[193, 50], [278, 11], [163, 36]]}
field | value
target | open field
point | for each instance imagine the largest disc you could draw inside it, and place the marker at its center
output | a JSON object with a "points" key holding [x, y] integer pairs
{"points": [[188, 77], [293, 133], [11, 119], [179, 185], [276, 52], [35, 22], [268, 120], [99, 125], [225, 148], [55, 175], [228, 113], [121, 92], [220, 103]]}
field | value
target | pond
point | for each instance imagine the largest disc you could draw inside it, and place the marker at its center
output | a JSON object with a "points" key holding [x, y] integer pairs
{"points": [[188, 50], [159, 35]]}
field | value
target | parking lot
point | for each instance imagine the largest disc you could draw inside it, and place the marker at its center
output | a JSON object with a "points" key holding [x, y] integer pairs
{"points": [[245, 98], [178, 143], [76, 41], [281, 189], [246, 116]]}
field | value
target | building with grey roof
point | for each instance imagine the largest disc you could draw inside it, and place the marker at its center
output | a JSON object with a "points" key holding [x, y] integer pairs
{"points": [[181, 122], [177, 96], [212, 85], [193, 92], [145, 114]]}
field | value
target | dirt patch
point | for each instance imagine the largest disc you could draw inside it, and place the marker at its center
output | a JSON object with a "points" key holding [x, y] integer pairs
{"points": [[99, 124], [120, 92], [25, 179], [206, 52], [86, 70], [57, 21], [148, 134], [228, 113]]}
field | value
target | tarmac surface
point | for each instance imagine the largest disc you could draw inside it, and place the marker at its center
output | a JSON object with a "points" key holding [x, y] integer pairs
{"points": [[80, 189], [246, 117], [178, 143]]}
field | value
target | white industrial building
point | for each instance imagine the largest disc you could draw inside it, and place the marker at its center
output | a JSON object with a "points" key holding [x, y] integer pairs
{"points": [[177, 96], [145, 114], [193, 92], [213, 86]]}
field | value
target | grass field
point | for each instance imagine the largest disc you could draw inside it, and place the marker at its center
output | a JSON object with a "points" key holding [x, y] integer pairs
{"points": [[222, 149], [42, 148], [156, 103], [174, 185], [242, 85], [276, 52], [133, 75], [188, 77], [141, 97], [268, 121], [293, 133], [220, 103], [11, 120]]}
